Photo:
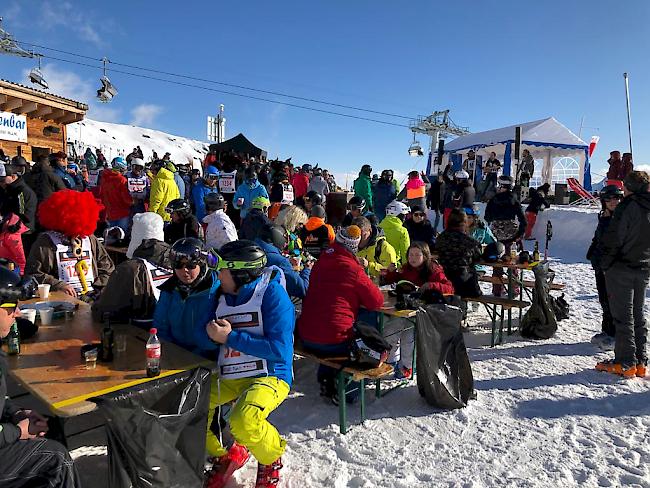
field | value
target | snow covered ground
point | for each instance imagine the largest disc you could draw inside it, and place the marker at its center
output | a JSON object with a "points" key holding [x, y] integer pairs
{"points": [[543, 416], [120, 139]]}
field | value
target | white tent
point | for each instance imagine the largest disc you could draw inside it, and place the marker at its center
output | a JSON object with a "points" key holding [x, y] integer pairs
{"points": [[545, 139]]}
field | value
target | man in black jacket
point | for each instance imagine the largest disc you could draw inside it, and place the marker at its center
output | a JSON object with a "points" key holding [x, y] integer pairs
{"points": [[20, 199], [43, 180], [26, 457], [626, 263]]}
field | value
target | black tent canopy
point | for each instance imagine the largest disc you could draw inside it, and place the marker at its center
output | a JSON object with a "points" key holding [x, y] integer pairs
{"points": [[240, 145]]}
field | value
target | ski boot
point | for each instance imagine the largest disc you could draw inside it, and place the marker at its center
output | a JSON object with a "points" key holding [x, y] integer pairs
{"points": [[226, 465], [640, 369], [268, 475], [609, 366]]}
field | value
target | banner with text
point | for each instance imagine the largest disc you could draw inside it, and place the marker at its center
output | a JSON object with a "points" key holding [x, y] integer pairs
{"points": [[13, 127]]}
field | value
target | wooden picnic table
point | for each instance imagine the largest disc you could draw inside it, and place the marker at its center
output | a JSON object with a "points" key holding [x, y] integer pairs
{"points": [[50, 366]]}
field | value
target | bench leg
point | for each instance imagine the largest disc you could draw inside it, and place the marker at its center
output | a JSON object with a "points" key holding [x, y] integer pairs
{"points": [[492, 312], [362, 385], [511, 295], [342, 403], [501, 324]]}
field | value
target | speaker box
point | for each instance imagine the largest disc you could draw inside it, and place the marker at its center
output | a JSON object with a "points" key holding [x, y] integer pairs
{"points": [[561, 194], [336, 206]]}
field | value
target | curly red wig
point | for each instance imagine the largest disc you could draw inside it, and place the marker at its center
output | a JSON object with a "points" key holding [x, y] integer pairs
{"points": [[73, 213]]}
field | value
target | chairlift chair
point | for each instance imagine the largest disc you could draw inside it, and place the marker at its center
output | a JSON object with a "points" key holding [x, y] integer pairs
{"points": [[107, 91], [415, 149], [36, 76]]}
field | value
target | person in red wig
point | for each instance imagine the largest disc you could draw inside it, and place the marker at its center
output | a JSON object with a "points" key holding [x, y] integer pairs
{"points": [[68, 256]]}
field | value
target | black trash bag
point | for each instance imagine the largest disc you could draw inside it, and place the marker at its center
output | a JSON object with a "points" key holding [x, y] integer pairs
{"points": [[156, 431], [444, 373], [539, 321]]}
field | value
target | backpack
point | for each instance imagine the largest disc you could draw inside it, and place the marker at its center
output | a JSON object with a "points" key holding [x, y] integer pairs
{"points": [[539, 322], [369, 349]]}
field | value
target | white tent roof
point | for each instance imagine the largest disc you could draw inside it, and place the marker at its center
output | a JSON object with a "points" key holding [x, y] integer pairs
{"points": [[547, 131]]}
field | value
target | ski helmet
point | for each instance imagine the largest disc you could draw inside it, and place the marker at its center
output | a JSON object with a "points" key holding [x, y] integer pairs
{"points": [[10, 289], [462, 175], [314, 197], [243, 258], [306, 167], [214, 201], [611, 191], [387, 175], [276, 235], [188, 251], [261, 203], [506, 182], [357, 203], [180, 206], [137, 162], [494, 252], [396, 208]]}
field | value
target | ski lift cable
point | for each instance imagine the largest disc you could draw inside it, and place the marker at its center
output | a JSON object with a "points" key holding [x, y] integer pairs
{"points": [[242, 95], [232, 85]]}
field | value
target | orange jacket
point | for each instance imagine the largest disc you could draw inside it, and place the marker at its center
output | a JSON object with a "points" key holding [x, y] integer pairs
{"points": [[315, 222]]}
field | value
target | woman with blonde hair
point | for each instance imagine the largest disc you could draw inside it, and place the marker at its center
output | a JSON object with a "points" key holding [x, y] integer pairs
{"points": [[292, 219]]}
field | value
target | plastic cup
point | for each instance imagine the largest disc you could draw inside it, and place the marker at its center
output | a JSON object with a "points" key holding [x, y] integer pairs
{"points": [[43, 291], [120, 343], [91, 359], [240, 201], [46, 315], [29, 314]]}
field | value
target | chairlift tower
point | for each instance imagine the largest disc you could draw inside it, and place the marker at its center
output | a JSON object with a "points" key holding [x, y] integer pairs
{"points": [[437, 125]]}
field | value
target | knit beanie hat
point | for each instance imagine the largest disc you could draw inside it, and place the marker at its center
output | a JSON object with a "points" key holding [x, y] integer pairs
{"points": [[349, 238], [146, 225]]}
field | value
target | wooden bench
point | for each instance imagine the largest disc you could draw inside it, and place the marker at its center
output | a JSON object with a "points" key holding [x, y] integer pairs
{"points": [[503, 280], [346, 375], [496, 307]]}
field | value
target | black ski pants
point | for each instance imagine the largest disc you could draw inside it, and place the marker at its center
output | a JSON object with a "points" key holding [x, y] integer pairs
{"points": [[608, 322], [627, 289], [37, 463]]}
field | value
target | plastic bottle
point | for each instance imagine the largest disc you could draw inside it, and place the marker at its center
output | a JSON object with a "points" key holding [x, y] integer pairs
{"points": [[153, 354], [107, 339], [13, 340], [536, 255]]}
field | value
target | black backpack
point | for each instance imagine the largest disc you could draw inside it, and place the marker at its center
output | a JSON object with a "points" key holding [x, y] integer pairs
{"points": [[369, 349], [560, 307]]}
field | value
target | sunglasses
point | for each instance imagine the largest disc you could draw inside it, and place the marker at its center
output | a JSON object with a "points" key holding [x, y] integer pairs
{"points": [[613, 197], [188, 265]]}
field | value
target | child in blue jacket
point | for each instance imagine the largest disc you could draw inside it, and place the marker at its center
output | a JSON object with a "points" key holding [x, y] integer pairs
{"points": [[253, 331], [248, 191]]}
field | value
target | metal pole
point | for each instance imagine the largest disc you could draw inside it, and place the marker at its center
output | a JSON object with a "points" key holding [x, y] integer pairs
{"points": [[629, 118]]}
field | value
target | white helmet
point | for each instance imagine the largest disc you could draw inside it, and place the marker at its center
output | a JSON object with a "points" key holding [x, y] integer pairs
{"points": [[137, 162], [462, 175], [396, 208]]}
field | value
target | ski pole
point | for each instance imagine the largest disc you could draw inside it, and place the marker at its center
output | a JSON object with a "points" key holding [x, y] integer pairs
{"points": [[549, 236]]}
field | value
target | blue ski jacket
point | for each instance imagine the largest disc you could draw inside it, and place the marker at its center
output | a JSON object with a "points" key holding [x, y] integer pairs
{"points": [[278, 316], [199, 191], [297, 283], [177, 318], [248, 194]]}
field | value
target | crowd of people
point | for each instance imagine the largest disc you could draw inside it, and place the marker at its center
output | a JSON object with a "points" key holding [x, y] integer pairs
{"points": [[233, 260]]}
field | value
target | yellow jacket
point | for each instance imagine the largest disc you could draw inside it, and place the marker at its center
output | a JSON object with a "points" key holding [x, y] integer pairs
{"points": [[379, 257], [163, 191]]}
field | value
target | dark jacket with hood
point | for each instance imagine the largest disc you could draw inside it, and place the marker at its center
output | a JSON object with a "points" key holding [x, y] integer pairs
{"points": [[43, 181], [458, 253], [538, 201], [435, 194], [595, 251], [422, 232], [383, 193], [626, 243], [253, 224], [21, 200], [188, 227], [128, 293], [505, 206]]}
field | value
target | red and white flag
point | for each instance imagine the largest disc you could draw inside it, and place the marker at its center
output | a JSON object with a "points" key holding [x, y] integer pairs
{"points": [[593, 144]]}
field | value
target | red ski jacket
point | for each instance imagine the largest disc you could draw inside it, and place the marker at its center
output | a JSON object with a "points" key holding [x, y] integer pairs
{"points": [[436, 281], [338, 288], [115, 195], [300, 183]]}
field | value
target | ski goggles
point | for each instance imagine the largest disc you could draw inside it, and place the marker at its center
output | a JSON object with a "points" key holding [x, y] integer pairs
{"points": [[359, 208], [217, 263]]}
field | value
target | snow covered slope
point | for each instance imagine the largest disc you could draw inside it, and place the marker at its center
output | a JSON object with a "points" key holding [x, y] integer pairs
{"points": [[119, 140]]}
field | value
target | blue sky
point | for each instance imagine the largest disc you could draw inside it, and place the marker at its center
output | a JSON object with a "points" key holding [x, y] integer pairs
{"points": [[492, 63]]}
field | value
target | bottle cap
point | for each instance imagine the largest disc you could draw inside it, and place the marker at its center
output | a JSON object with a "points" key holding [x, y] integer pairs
{"points": [[153, 330]]}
